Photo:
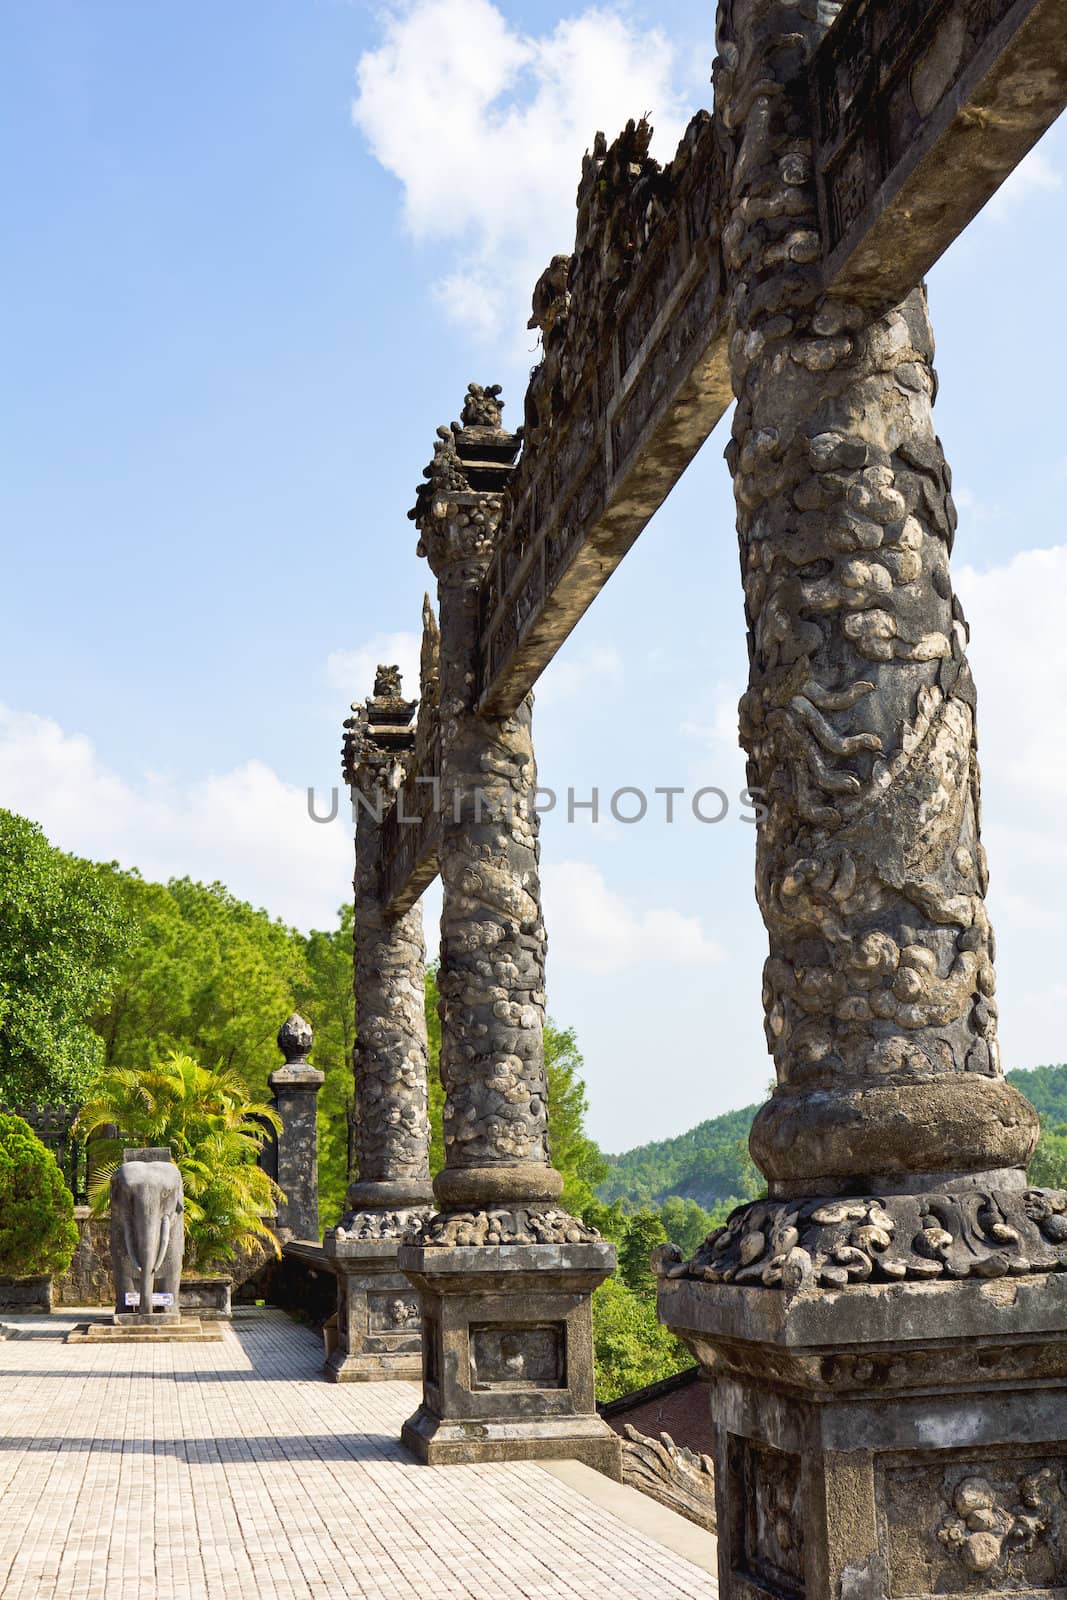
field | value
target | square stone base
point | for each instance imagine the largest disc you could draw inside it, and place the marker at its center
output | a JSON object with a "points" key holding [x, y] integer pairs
{"points": [[508, 1354], [886, 1440], [145, 1330], [206, 1298], [379, 1319]]}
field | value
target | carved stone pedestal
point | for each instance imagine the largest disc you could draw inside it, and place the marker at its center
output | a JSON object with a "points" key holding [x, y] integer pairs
{"points": [[885, 1440], [508, 1354], [379, 1326]]}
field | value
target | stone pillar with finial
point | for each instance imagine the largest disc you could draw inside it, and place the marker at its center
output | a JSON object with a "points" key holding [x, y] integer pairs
{"points": [[505, 1274], [379, 1327], [295, 1088]]}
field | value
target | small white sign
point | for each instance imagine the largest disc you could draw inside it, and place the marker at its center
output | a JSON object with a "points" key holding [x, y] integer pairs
{"points": [[162, 1299], [133, 1300]]}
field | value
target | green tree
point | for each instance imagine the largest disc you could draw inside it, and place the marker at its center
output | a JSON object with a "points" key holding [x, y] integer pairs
{"points": [[328, 1004], [62, 931], [630, 1348], [574, 1153], [685, 1223], [38, 1235], [709, 1164], [215, 1132], [644, 1231], [1045, 1088], [1048, 1169], [207, 975]]}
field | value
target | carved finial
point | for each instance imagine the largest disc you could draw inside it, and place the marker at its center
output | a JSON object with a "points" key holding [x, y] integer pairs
{"points": [[551, 296], [431, 648], [295, 1040], [387, 683], [483, 406]]}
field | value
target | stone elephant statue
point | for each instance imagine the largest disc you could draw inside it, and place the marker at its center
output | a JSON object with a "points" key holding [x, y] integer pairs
{"points": [[147, 1231]]}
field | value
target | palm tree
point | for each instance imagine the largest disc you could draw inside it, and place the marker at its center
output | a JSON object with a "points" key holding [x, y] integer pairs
{"points": [[215, 1133]]}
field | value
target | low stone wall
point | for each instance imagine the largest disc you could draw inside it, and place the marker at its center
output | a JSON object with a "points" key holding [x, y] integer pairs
{"points": [[666, 1435], [679, 1406], [88, 1280], [304, 1282], [26, 1294]]}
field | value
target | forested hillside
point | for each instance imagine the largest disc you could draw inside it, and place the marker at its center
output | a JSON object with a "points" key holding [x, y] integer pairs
{"points": [[710, 1164], [1046, 1090]]}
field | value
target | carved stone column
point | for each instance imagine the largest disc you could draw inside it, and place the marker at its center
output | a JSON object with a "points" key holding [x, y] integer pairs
{"points": [[505, 1273], [295, 1088], [379, 1328], [872, 1328]]}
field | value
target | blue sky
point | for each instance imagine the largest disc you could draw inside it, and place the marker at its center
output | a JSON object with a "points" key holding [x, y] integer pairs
{"points": [[253, 254]]}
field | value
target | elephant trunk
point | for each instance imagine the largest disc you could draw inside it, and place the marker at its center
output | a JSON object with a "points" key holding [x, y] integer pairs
{"points": [[150, 1258]]}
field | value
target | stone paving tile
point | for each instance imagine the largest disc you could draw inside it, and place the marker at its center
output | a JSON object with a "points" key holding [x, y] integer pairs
{"points": [[194, 1472]]}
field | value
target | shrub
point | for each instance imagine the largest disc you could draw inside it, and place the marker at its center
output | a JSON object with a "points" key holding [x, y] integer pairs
{"points": [[37, 1230], [214, 1130]]}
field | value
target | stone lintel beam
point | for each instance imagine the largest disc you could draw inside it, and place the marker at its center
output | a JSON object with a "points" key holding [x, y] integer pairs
{"points": [[633, 378], [921, 111]]}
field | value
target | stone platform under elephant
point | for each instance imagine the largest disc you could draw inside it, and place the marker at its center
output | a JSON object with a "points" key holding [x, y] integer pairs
{"points": [[135, 1330]]}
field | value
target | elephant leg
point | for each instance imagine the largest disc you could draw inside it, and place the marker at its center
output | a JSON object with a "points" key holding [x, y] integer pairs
{"points": [[122, 1270], [169, 1276]]}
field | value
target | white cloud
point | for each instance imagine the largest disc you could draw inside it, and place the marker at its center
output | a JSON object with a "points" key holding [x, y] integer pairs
{"points": [[484, 126], [245, 827], [587, 671], [1018, 652], [353, 671], [714, 721], [1035, 175], [593, 929]]}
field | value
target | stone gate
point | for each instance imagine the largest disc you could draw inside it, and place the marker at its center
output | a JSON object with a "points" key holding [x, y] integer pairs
{"points": [[886, 1332]]}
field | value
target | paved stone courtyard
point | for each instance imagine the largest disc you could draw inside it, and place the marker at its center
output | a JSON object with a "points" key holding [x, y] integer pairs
{"points": [[190, 1472]]}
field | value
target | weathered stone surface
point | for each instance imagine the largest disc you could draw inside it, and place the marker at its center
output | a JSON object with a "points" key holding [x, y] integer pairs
{"points": [[525, 1225], [295, 1088], [89, 1280], [504, 1275], [896, 1439], [147, 1330], [922, 110], [207, 1298], [871, 1331], [379, 1318], [390, 1058], [508, 1354], [667, 1472], [26, 1294], [632, 380], [491, 976], [411, 828], [859, 716], [960, 1232]]}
